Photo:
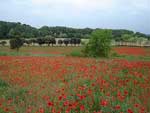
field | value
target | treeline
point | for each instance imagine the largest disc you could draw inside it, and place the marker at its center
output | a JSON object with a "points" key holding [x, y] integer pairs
{"points": [[16, 43], [9, 30], [49, 41]]}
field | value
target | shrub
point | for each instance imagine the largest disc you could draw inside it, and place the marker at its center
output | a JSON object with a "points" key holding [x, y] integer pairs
{"points": [[99, 44]]}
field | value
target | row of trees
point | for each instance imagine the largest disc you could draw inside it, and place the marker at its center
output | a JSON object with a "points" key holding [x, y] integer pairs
{"points": [[131, 38], [16, 43], [99, 44], [9, 30], [52, 41]]}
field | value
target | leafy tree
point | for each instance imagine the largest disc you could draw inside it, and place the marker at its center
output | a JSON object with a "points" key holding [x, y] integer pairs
{"points": [[53, 41], [40, 41], [117, 34], [44, 31], [141, 39], [60, 42], [78, 41], [126, 38], [73, 41], [16, 43], [99, 44], [48, 40], [66, 42]]}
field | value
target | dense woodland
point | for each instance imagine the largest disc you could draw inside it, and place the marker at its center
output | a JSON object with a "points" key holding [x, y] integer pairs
{"points": [[9, 30]]}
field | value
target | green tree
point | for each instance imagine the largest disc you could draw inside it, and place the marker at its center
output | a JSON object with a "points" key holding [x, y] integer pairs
{"points": [[44, 31], [16, 43], [48, 39], [40, 41], [126, 38], [66, 42], [60, 42], [99, 44]]}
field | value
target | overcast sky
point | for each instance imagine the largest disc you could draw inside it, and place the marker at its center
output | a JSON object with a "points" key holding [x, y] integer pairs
{"points": [[116, 14]]}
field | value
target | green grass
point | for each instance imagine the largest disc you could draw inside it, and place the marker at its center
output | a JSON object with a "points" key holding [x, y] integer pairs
{"points": [[75, 53], [3, 84], [62, 51], [13, 54], [132, 58], [3, 87], [26, 54]]}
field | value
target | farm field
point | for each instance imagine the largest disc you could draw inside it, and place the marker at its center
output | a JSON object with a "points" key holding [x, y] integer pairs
{"points": [[65, 84]]}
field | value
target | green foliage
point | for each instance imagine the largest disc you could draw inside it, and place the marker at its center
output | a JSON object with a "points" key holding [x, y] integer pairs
{"points": [[99, 44], [16, 43], [3, 84], [14, 54], [11, 93], [66, 42], [76, 54], [126, 37], [132, 38], [117, 34], [11, 29], [44, 31], [40, 41], [60, 42], [114, 54]]}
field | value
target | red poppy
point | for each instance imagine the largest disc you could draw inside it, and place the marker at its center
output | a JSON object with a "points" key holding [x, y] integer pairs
{"points": [[104, 102]]}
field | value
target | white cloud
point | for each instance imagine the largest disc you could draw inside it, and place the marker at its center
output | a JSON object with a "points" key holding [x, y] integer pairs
{"points": [[95, 13], [141, 4], [78, 5]]}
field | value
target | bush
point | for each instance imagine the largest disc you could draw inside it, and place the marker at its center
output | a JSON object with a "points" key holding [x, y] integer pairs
{"points": [[99, 44]]}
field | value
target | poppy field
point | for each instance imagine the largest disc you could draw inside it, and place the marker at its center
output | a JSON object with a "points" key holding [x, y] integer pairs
{"points": [[65, 84], [135, 51]]}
